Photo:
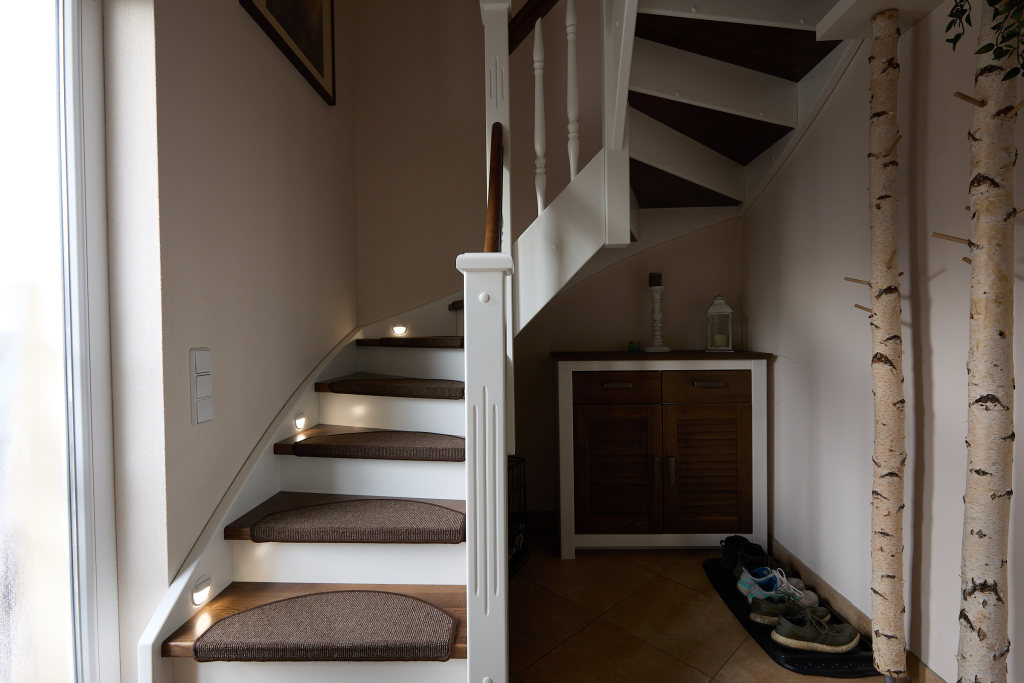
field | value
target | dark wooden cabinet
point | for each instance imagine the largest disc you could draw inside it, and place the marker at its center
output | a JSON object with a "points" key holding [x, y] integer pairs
{"points": [[662, 452], [618, 468]]}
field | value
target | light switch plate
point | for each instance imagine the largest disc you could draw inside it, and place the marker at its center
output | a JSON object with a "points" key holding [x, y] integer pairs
{"points": [[200, 363]]}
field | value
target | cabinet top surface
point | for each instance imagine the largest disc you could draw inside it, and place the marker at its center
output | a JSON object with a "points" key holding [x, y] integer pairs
{"points": [[670, 355]]}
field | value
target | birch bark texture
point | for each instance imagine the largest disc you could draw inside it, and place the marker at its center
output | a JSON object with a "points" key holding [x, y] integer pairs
{"points": [[887, 607], [984, 603]]}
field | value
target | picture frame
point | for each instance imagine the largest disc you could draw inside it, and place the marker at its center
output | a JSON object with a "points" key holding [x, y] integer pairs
{"points": [[304, 31]]}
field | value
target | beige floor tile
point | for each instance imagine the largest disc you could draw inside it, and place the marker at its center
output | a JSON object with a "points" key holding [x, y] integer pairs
{"points": [[685, 623], [601, 653], [689, 572], [543, 545], [539, 621], [750, 664], [654, 561], [593, 582]]}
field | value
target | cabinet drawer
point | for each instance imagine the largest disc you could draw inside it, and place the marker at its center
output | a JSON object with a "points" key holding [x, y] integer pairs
{"points": [[706, 386], [618, 387]]}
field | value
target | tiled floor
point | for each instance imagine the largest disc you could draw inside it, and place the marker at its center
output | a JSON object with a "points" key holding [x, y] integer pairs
{"points": [[629, 616]]}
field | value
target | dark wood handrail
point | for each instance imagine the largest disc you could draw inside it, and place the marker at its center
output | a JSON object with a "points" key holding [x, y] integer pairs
{"points": [[492, 237], [525, 19]]}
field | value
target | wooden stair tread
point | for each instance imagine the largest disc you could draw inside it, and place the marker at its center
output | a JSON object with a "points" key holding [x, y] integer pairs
{"points": [[241, 595], [340, 441], [286, 501], [372, 384], [415, 342]]}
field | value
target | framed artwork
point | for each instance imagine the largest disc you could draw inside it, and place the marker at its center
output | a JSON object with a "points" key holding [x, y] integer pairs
{"points": [[304, 31]]}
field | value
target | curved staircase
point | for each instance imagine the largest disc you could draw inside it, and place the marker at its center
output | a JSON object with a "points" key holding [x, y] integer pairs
{"points": [[330, 570]]}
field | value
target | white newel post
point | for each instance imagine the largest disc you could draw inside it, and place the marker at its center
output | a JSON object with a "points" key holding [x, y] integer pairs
{"points": [[495, 16], [572, 97], [539, 134], [485, 278]]}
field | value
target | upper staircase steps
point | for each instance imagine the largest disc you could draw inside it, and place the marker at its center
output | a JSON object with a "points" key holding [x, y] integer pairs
{"points": [[415, 342], [295, 622], [296, 517], [340, 441], [373, 384]]}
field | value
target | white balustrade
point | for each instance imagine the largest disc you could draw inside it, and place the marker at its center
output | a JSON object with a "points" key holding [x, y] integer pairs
{"points": [[539, 137], [572, 99]]}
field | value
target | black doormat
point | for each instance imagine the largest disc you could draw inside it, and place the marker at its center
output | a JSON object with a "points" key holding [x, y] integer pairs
{"points": [[857, 663]]}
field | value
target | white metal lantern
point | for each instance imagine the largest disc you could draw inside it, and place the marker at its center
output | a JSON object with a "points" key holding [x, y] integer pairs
{"points": [[719, 326]]}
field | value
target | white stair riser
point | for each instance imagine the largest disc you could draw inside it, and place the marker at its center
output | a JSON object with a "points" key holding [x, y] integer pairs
{"points": [[189, 671], [400, 478], [440, 416], [408, 563], [422, 363]]}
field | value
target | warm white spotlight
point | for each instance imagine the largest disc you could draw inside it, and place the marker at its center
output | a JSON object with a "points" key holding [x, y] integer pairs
{"points": [[300, 420], [201, 591], [399, 329]]}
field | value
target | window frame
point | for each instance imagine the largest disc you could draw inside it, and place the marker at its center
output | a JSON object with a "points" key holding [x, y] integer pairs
{"points": [[87, 341]]}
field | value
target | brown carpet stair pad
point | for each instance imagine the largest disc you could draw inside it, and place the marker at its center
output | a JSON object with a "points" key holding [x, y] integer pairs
{"points": [[370, 626], [379, 520], [384, 445], [415, 342], [366, 384]]}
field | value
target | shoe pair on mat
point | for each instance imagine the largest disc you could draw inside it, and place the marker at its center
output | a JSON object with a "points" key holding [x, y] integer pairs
{"points": [[772, 584], [739, 554], [808, 631]]}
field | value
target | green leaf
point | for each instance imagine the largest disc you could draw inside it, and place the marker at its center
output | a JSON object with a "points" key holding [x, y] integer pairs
{"points": [[984, 48], [1011, 73]]}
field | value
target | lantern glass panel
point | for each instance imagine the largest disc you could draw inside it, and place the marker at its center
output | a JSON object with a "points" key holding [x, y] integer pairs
{"points": [[720, 330]]}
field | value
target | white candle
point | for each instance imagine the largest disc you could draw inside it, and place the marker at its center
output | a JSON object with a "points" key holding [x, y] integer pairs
{"points": [[720, 340]]}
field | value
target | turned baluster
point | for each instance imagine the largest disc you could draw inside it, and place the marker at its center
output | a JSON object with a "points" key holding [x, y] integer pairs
{"points": [[572, 84], [539, 139]]}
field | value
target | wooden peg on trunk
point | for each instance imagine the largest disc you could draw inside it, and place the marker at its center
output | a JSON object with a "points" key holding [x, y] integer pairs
{"points": [[968, 98], [958, 240], [859, 282], [863, 308]]}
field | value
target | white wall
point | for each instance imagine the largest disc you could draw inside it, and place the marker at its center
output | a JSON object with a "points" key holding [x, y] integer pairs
{"points": [[807, 231], [232, 226]]}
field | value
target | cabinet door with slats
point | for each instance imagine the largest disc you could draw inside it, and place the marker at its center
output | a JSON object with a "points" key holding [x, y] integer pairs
{"points": [[708, 478], [618, 467]]}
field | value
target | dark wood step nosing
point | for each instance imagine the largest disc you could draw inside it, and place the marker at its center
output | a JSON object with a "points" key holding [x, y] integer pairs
{"points": [[373, 384], [450, 342], [282, 501], [242, 595]]}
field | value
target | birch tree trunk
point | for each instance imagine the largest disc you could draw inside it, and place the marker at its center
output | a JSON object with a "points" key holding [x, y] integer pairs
{"points": [[887, 608], [984, 602]]}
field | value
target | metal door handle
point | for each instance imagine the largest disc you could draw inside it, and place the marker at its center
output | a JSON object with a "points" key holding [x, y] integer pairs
{"points": [[657, 471], [672, 471], [708, 384], [618, 385]]}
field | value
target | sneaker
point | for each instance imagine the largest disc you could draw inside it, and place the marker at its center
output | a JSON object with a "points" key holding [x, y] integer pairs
{"points": [[731, 550], [769, 611], [807, 632], [760, 576], [751, 556], [777, 587]]}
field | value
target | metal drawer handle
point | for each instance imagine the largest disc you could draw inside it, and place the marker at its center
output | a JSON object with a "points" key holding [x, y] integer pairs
{"points": [[657, 471], [672, 471], [707, 384], [618, 385]]}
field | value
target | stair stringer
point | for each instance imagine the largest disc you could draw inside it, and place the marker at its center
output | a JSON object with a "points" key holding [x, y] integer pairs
{"points": [[559, 242]]}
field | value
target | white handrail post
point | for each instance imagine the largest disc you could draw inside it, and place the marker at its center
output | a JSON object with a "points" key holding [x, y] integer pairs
{"points": [[485, 278], [572, 98], [539, 134]]}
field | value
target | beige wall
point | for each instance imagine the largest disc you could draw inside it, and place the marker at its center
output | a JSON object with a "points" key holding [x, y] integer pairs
{"points": [[807, 231], [605, 312], [232, 227], [419, 85], [421, 194]]}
